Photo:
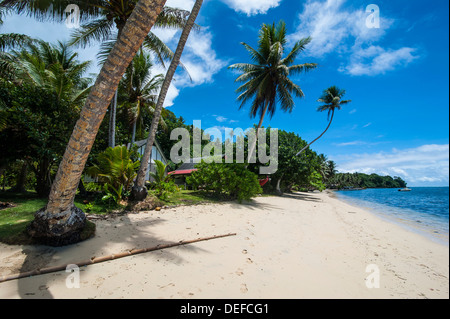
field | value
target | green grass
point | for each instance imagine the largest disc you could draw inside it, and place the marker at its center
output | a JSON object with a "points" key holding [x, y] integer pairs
{"points": [[14, 220], [188, 197]]}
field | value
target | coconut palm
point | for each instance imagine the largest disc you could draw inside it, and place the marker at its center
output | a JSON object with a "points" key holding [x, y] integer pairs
{"points": [[52, 67], [139, 191], [138, 93], [267, 81], [61, 222], [103, 21], [332, 97]]}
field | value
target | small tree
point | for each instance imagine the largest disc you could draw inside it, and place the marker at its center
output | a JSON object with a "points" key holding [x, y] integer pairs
{"points": [[116, 170]]}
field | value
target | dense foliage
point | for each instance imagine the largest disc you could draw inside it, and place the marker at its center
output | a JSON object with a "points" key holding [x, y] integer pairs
{"points": [[116, 170], [227, 181], [360, 180], [38, 126]]}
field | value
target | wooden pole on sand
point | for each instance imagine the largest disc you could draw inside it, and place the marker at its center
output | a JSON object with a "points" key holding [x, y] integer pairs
{"points": [[96, 260]]}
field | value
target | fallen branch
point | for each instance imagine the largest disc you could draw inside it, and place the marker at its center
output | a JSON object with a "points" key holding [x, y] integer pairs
{"points": [[96, 260]]}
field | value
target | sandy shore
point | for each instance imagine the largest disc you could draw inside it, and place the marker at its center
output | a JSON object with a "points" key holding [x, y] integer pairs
{"points": [[296, 246]]}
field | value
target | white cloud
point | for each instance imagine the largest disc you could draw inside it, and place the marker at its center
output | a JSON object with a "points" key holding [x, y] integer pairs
{"points": [[252, 7], [221, 119], [199, 59], [376, 60], [330, 26], [335, 28], [353, 143], [426, 165], [181, 4], [367, 125]]}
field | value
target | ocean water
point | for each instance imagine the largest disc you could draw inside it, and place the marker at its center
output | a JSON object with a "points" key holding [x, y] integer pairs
{"points": [[424, 210]]}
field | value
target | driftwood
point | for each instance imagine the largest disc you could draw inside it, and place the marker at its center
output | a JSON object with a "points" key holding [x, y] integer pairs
{"points": [[96, 260]]}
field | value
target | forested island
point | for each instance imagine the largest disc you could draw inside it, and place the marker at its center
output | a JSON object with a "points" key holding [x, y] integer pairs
{"points": [[361, 180]]}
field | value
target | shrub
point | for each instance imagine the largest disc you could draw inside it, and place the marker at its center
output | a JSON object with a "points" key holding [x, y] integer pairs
{"points": [[162, 184], [116, 170], [228, 181]]}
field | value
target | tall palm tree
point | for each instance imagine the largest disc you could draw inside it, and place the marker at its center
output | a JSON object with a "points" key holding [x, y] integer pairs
{"points": [[138, 93], [60, 222], [332, 97], [267, 81], [112, 17], [139, 191]]}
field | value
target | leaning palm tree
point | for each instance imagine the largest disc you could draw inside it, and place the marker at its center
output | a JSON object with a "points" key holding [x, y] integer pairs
{"points": [[139, 192], [267, 81], [109, 25], [61, 222], [332, 97], [102, 21]]}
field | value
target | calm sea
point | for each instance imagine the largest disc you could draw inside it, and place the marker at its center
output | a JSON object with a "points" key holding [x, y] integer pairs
{"points": [[424, 210]]}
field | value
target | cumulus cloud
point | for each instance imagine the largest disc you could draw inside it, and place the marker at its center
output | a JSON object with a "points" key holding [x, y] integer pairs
{"points": [[427, 165], [335, 28], [376, 60], [252, 7], [199, 59]]}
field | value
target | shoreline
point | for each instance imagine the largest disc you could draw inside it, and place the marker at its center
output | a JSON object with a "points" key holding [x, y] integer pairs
{"points": [[427, 231], [302, 245]]}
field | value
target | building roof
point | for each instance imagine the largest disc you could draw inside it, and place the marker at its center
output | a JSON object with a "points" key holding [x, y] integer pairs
{"points": [[188, 167]]}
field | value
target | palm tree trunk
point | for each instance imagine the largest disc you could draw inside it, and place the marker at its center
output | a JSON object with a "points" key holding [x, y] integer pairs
{"points": [[60, 222], [133, 134], [139, 191], [112, 122], [253, 146], [278, 188], [331, 120]]}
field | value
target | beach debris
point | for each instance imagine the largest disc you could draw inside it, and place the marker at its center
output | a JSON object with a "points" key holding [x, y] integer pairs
{"points": [[96, 260]]}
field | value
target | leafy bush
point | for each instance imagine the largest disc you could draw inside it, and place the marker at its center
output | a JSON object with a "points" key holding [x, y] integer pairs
{"points": [[164, 188], [228, 181], [116, 170]]}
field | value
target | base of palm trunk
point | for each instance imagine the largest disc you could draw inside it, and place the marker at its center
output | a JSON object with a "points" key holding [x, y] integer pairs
{"points": [[60, 229], [139, 193]]}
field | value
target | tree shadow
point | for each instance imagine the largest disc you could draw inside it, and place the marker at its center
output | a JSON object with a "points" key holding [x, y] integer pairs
{"points": [[132, 236], [302, 196], [253, 205]]}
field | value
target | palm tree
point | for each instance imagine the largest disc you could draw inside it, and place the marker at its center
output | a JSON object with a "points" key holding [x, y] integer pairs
{"points": [[61, 222], [101, 19], [113, 15], [138, 93], [139, 191], [332, 97], [267, 81], [52, 67]]}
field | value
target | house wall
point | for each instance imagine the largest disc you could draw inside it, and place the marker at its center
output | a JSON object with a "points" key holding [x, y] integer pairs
{"points": [[156, 156]]}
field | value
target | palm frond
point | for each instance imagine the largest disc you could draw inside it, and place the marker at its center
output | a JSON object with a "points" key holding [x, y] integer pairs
{"points": [[98, 30], [13, 40]]}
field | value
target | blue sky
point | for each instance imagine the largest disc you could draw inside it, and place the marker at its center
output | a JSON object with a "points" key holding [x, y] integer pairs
{"points": [[396, 76]]}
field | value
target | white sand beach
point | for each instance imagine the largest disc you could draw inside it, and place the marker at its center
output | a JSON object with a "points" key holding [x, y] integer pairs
{"points": [[305, 245]]}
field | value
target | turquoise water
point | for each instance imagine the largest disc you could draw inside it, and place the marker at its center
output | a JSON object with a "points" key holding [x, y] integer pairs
{"points": [[424, 210]]}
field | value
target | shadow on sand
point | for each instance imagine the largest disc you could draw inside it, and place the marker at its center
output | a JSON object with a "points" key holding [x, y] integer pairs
{"points": [[302, 196], [38, 257]]}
